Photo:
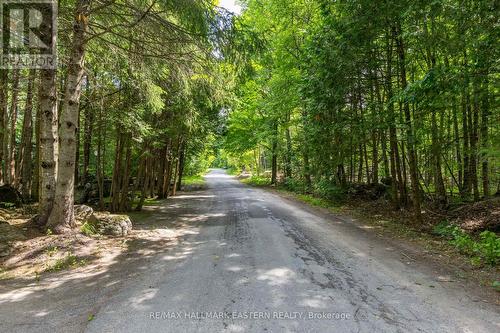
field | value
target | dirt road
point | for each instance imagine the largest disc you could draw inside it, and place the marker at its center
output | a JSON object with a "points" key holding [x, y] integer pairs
{"points": [[250, 261]]}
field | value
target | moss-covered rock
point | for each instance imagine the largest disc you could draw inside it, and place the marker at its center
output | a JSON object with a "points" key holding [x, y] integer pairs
{"points": [[110, 224]]}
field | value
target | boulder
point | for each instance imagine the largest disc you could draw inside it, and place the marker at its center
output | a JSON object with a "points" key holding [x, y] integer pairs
{"points": [[367, 191], [110, 224], [82, 213], [9, 195]]}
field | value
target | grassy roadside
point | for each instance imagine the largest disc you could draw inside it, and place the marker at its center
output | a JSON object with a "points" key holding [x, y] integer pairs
{"points": [[193, 183], [443, 243]]}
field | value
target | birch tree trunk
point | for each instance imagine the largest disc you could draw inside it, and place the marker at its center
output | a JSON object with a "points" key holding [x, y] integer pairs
{"points": [[47, 143], [62, 216]]}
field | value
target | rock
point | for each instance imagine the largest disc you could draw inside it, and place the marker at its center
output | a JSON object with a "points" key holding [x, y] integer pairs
{"points": [[82, 213], [367, 191], [9, 195], [110, 224], [4, 250]]}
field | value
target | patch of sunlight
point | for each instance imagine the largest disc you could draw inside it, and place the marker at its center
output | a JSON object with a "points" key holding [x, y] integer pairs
{"points": [[41, 314], [276, 276], [148, 295], [235, 269], [235, 328], [367, 227], [15, 295], [186, 196], [359, 254], [313, 303], [217, 175]]}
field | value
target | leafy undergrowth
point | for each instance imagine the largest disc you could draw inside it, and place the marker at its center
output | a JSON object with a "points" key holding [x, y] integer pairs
{"points": [[257, 181], [483, 249], [193, 183]]}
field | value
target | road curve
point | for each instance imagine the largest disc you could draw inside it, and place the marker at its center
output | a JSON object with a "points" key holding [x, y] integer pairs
{"points": [[260, 263]]}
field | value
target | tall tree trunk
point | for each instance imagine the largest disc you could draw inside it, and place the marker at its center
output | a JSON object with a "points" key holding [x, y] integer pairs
{"points": [[147, 176], [87, 142], [4, 81], [100, 158], [274, 158], [181, 164], [124, 200], [25, 161], [436, 154], [165, 169], [392, 127], [485, 109], [415, 185], [11, 166], [467, 184], [47, 145], [62, 216], [474, 132], [288, 163], [458, 155], [117, 170]]}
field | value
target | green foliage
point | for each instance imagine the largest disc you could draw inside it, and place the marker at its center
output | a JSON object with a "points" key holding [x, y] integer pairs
{"points": [[315, 201], [233, 170], [484, 249], [69, 261], [51, 251], [8, 205], [88, 229], [328, 190], [294, 185], [257, 181], [196, 180]]}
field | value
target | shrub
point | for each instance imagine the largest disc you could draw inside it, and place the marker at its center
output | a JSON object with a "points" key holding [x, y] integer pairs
{"points": [[485, 249], [257, 181], [294, 185], [88, 229], [326, 189]]}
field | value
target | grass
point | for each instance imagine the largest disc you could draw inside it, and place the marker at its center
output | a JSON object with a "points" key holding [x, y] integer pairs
{"points": [[261, 181], [67, 262], [196, 180], [257, 181]]}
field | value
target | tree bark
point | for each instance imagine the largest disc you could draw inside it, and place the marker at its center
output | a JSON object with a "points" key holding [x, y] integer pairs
{"points": [[392, 128], [181, 164], [4, 77], [25, 150], [485, 109], [62, 216], [274, 162], [11, 166], [409, 129], [47, 144], [124, 200]]}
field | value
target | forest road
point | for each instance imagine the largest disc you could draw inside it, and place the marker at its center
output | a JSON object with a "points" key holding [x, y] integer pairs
{"points": [[261, 263], [233, 258]]}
